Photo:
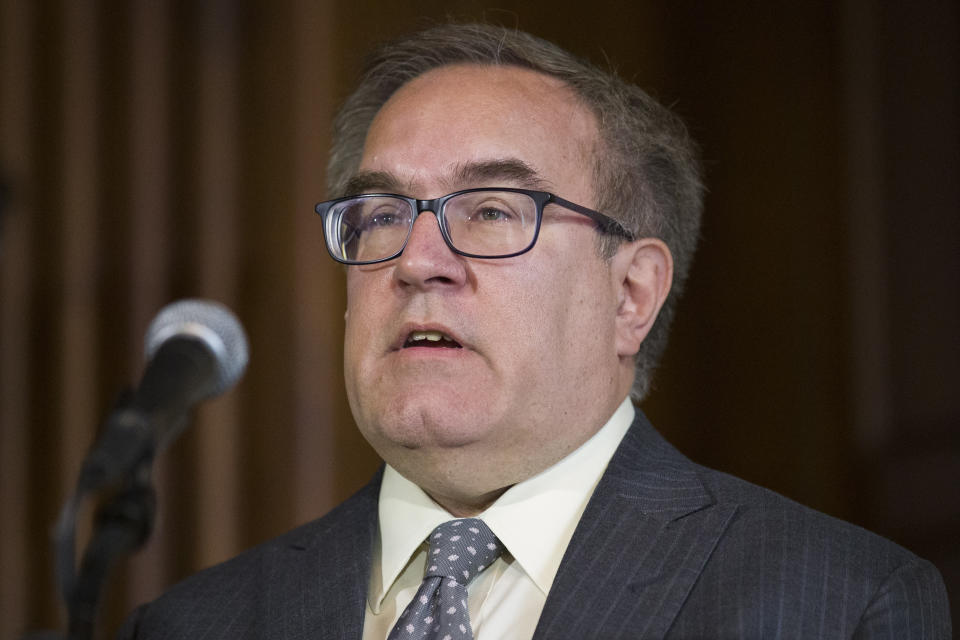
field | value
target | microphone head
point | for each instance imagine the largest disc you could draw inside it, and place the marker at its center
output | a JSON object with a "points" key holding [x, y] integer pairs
{"points": [[211, 323]]}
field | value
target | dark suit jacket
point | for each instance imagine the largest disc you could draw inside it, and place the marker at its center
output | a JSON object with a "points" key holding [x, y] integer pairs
{"points": [[665, 549]]}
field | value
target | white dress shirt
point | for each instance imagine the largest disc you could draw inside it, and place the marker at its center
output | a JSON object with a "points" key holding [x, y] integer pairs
{"points": [[534, 520]]}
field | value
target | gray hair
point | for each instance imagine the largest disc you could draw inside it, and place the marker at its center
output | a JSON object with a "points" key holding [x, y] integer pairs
{"points": [[647, 177]]}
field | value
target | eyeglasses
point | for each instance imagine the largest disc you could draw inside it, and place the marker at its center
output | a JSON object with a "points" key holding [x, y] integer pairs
{"points": [[477, 223]]}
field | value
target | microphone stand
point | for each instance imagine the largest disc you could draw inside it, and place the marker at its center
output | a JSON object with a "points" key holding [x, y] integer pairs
{"points": [[121, 525], [120, 465], [195, 349]]}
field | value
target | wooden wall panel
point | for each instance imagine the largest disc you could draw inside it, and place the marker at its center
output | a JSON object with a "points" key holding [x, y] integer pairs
{"points": [[151, 237], [216, 466], [158, 150], [17, 573], [318, 283]]}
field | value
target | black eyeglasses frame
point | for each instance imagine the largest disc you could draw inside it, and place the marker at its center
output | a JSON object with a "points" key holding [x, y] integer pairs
{"points": [[605, 224]]}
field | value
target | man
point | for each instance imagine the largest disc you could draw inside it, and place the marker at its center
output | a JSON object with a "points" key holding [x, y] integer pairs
{"points": [[518, 226]]}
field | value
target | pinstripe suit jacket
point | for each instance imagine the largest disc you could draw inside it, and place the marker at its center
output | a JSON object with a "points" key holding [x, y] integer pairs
{"points": [[665, 549]]}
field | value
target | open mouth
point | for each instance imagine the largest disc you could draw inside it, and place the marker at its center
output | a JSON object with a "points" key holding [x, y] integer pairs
{"points": [[431, 339]]}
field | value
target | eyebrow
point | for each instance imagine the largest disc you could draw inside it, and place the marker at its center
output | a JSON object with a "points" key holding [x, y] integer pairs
{"points": [[372, 182], [512, 171]]}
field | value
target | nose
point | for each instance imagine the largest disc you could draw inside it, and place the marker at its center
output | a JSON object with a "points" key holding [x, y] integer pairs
{"points": [[427, 261]]}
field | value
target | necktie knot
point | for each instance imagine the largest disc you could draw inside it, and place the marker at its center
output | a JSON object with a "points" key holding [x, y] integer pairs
{"points": [[460, 549]]}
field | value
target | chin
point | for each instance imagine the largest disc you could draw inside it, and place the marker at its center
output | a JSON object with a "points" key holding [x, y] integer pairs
{"points": [[426, 423]]}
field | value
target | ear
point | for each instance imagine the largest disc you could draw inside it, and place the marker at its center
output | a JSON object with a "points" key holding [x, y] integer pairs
{"points": [[644, 272]]}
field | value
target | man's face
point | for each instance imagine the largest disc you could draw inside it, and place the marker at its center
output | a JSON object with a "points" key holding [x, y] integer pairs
{"points": [[527, 369]]}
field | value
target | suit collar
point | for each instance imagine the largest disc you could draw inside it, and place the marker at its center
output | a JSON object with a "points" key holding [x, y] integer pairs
{"points": [[648, 470], [642, 543], [325, 566]]}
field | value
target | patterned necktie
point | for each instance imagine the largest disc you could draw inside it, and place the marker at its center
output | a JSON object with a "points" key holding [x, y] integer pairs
{"points": [[459, 550]]}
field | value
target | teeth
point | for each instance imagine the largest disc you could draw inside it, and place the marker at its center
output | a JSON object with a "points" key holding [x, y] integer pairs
{"points": [[438, 338], [432, 336]]}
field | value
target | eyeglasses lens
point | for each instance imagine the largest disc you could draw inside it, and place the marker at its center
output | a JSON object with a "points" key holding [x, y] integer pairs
{"points": [[491, 223], [373, 228]]}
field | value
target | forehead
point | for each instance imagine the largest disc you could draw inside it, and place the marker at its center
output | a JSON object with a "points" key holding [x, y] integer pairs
{"points": [[466, 115]]}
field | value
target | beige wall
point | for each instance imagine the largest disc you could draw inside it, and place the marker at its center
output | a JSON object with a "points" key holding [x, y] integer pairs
{"points": [[158, 150]]}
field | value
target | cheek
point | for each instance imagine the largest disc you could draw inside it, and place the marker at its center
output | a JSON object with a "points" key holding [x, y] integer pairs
{"points": [[580, 311], [360, 330], [551, 318], [361, 320], [365, 295]]}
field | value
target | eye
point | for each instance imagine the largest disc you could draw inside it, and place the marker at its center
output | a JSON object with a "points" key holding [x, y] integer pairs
{"points": [[384, 215], [383, 219], [492, 210], [492, 214]]}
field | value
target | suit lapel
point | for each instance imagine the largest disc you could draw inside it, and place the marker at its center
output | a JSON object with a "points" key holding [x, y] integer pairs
{"points": [[319, 585], [641, 544]]}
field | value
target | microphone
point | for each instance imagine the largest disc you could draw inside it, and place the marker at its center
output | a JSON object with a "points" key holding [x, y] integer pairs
{"points": [[195, 349]]}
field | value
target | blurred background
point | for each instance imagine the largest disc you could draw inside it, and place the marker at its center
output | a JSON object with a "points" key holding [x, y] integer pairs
{"points": [[151, 151]]}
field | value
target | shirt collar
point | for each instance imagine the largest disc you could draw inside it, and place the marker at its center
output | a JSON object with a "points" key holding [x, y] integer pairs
{"points": [[407, 516], [534, 519]]}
